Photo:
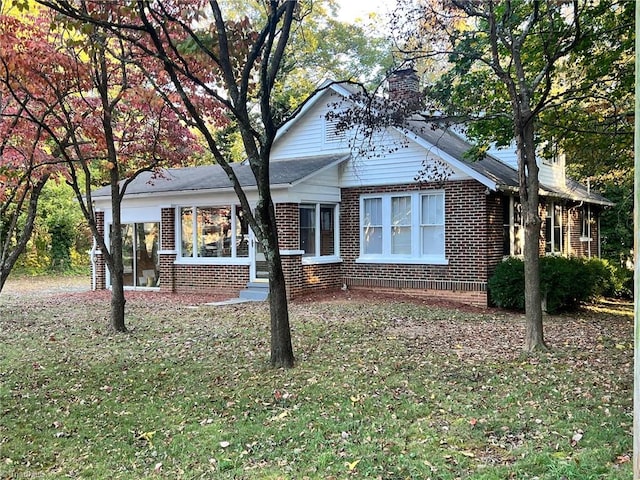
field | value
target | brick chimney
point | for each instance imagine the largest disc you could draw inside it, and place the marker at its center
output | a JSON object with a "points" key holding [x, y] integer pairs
{"points": [[403, 86]]}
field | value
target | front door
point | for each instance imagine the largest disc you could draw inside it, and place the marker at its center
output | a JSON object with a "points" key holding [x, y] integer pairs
{"points": [[259, 271]]}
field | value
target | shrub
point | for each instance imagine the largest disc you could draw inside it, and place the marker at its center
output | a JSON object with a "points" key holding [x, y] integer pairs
{"points": [[506, 285], [564, 282]]}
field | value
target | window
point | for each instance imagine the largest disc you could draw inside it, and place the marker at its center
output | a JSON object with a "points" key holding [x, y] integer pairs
{"points": [[402, 227], [585, 222], [553, 229], [372, 226], [432, 225], [213, 232], [513, 232], [318, 242], [140, 260]]}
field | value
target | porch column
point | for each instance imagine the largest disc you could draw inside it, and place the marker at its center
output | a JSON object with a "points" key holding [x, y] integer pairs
{"points": [[99, 271], [167, 253], [288, 218]]}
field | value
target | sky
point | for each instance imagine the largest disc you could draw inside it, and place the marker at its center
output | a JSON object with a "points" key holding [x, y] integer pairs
{"points": [[352, 9]]}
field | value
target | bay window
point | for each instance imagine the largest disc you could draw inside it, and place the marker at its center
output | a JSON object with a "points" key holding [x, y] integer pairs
{"points": [[403, 227]]}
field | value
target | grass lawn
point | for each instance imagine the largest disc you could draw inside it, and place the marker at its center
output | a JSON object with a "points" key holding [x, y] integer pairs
{"points": [[382, 390]]}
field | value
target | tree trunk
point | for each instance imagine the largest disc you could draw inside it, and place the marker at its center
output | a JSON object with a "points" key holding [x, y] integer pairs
{"points": [[115, 261], [9, 256], [281, 348], [117, 301], [529, 186]]}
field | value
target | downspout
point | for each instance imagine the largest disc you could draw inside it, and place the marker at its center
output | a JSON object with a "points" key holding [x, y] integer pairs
{"points": [[93, 265], [589, 219], [589, 230]]}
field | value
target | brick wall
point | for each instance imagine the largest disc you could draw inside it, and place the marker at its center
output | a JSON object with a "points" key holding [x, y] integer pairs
{"points": [[101, 269], [495, 232], [167, 253], [226, 280], [168, 228], [467, 236], [301, 279]]}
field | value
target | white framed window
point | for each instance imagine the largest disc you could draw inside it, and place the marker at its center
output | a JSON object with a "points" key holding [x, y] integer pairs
{"points": [[406, 227], [212, 232], [553, 229], [319, 230], [585, 219], [513, 230]]}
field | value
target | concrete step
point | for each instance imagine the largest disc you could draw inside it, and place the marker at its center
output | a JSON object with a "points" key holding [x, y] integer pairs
{"points": [[255, 291]]}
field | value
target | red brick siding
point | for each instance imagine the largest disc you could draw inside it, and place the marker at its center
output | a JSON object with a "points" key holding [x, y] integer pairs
{"points": [[101, 268], [495, 232], [466, 245], [168, 229], [300, 278], [288, 218], [225, 280]]}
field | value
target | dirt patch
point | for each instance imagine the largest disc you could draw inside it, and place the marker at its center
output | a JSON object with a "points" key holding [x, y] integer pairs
{"points": [[366, 296], [46, 285]]}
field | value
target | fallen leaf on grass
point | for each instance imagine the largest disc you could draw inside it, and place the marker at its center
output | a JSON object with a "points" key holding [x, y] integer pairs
{"points": [[352, 466]]}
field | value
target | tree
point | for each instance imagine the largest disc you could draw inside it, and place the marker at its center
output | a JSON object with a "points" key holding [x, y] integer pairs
{"points": [[24, 171], [25, 160], [104, 121], [209, 53], [594, 127], [496, 65]]}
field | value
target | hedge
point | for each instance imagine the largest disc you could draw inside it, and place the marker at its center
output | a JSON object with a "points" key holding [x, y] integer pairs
{"points": [[565, 282]]}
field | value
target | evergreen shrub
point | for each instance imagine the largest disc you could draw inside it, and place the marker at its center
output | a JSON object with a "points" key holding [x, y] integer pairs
{"points": [[565, 282]]}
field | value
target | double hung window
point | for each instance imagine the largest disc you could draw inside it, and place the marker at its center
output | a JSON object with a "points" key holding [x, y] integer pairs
{"points": [[513, 234], [553, 229], [402, 227], [318, 230]]}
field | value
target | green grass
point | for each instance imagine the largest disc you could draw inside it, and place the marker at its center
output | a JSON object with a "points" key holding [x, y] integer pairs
{"points": [[380, 390]]}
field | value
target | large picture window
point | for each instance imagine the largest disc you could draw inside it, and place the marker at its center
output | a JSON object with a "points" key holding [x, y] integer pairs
{"points": [[318, 230], [403, 227], [218, 231]]}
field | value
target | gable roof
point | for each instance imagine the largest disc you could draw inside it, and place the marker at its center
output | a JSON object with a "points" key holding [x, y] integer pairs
{"points": [[489, 170], [213, 177]]}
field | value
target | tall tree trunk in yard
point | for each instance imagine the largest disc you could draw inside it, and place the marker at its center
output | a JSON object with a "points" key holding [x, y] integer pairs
{"points": [[116, 266], [529, 185], [281, 347]]}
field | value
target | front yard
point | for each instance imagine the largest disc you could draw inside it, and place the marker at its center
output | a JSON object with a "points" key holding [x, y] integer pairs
{"points": [[383, 389]]}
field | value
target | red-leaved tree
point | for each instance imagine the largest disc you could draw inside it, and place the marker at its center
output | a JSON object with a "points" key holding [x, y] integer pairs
{"points": [[105, 122]]}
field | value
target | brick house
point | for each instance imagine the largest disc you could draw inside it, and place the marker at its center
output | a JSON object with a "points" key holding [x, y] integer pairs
{"points": [[344, 219]]}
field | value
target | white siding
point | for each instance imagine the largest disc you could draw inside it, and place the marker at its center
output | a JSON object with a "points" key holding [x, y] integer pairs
{"points": [[135, 215], [306, 136], [552, 174], [507, 155], [322, 187], [395, 160]]}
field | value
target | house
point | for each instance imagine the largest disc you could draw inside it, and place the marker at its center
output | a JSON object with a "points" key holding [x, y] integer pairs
{"points": [[345, 219]]}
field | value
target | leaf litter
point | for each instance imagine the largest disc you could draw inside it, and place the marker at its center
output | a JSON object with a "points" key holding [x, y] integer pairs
{"points": [[383, 388]]}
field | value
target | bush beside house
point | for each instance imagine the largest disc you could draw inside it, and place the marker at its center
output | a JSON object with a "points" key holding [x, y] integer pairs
{"points": [[565, 282]]}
